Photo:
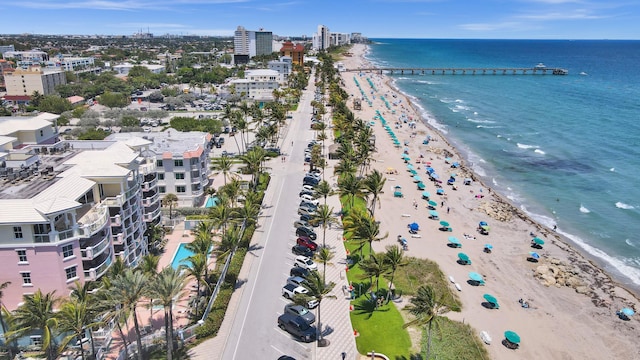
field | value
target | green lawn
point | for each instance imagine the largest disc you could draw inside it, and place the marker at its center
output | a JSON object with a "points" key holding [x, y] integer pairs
{"points": [[453, 340], [380, 329]]}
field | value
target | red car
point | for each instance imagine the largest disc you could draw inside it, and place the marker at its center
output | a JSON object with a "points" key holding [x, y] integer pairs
{"points": [[306, 242]]}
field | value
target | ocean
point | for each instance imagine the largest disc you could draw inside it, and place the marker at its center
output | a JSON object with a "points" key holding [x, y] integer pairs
{"points": [[565, 149]]}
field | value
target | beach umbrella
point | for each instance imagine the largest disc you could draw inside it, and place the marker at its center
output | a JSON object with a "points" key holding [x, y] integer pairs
{"points": [[476, 277], [534, 255], [453, 175], [397, 187], [488, 246], [455, 164], [512, 337], [463, 256], [410, 166], [447, 160], [491, 299], [406, 149], [433, 214], [483, 223], [430, 169], [432, 203], [440, 191], [538, 241], [421, 186], [434, 175], [444, 223], [414, 226], [417, 178], [454, 240], [425, 194], [485, 227], [627, 311], [405, 156], [413, 172]]}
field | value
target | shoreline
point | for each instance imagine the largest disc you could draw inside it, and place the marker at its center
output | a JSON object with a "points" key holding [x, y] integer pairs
{"points": [[601, 289], [571, 246]]}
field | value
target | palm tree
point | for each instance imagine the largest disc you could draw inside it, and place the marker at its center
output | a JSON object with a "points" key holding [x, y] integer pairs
{"points": [[3, 286], [248, 213], [318, 290], [36, 313], [110, 306], [351, 187], [374, 267], [129, 288], [201, 244], [224, 165], [364, 228], [253, 163], [170, 200], [74, 317], [197, 268], [83, 293], [426, 306], [323, 217], [220, 215], [168, 285], [228, 242], [149, 266], [323, 189], [324, 255], [394, 258], [374, 185]]}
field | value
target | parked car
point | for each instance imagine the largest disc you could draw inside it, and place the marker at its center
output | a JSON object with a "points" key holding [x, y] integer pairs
{"points": [[298, 271], [296, 280], [306, 211], [306, 232], [307, 242], [300, 223], [309, 204], [302, 193], [297, 326], [302, 250], [301, 311], [308, 188], [305, 262], [310, 199], [306, 218], [313, 174], [308, 180]]}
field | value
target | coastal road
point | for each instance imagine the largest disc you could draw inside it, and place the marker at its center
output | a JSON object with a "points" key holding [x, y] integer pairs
{"points": [[254, 332]]}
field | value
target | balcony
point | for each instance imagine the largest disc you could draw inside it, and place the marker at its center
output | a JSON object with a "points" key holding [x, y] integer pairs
{"points": [[116, 201], [93, 221], [118, 239], [91, 252], [150, 185], [148, 167], [116, 220], [147, 202], [133, 191], [96, 272], [149, 217]]}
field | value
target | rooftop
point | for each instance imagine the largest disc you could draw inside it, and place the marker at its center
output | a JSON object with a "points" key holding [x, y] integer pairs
{"points": [[168, 141]]}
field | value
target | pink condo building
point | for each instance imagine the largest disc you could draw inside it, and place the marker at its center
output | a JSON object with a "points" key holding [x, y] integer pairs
{"points": [[73, 209]]}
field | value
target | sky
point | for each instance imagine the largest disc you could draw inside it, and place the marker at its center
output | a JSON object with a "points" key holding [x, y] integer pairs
{"points": [[470, 19]]}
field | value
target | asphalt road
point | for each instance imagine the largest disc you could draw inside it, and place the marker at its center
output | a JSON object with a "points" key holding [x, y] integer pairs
{"points": [[254, 333]]}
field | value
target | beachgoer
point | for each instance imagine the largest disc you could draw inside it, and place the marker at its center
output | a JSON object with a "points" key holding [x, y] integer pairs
{"points": [[448, 210], [555, 227], [442, 204]]}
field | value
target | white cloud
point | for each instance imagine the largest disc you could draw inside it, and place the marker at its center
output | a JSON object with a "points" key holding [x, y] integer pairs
{"points": [[491, 26], [578, 14]]}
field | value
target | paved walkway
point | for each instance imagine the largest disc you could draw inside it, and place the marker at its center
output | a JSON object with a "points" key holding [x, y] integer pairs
{"points": [[335, 312]]}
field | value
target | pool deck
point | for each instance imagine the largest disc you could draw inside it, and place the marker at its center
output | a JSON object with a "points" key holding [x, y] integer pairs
{"points": [[181, 308]]}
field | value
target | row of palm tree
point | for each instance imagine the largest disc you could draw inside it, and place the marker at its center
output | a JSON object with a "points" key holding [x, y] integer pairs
{"points": [[355, 151]]}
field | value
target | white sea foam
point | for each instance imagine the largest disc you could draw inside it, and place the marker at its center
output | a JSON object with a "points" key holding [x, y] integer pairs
{"points": [[475, 113], [621, 205], [494, 182], [498, 136], [612, 169], [478, 121], [462, 107], [539, 151], [525, 146], [584, 210], [487, 127], [630, 243], [459, 101]]}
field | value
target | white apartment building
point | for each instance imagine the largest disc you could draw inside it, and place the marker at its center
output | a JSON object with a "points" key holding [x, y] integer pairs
{"points": [[252, 43], [284, 67], [69, 63], [322, 38], [25, 59], [181, 159], [339, 39], [258, 84], [80, 205], [23, 82]]}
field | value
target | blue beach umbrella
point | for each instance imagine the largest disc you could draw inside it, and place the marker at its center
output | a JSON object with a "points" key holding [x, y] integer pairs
{"points": [[410, 166], [476, 277], [534, 255], [512, 337], [440, 191], [433, 214], [417, 178], [627, 311], [425, 195], [414, 226], [454, 240]]}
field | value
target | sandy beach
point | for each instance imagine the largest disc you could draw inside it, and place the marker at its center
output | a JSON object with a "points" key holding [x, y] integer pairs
{"points": [[572, 303]]}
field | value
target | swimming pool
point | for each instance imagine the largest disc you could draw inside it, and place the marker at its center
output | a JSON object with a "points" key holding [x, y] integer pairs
{"points": [[211, 202], [181, 254]]}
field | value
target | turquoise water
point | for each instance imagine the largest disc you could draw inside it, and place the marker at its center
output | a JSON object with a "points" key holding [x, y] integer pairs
{"points": [[562, 148], [180, 256], [211, 202]]}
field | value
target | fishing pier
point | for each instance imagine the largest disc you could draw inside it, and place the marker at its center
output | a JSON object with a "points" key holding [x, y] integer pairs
{"points": [[465, 71]]}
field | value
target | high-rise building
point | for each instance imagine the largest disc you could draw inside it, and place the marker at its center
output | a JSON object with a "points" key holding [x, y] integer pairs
{"points": [[248, 44], [241, 41], [21, 84], [322, 38], [264, 41]]}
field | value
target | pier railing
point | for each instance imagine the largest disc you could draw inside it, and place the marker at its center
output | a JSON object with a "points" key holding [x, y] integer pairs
{"points": [[465, 71]]}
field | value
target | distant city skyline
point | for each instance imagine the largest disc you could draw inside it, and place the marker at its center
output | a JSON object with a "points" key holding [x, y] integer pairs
{"points": [[479, 19]]}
